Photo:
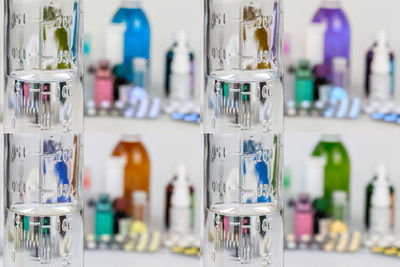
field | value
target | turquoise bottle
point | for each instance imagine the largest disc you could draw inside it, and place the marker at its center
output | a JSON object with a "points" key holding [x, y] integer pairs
{"points": [[304, 91], [104, 224]]}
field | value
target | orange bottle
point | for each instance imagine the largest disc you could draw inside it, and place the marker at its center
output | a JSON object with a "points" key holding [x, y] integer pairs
{"points": [[137, 168]]}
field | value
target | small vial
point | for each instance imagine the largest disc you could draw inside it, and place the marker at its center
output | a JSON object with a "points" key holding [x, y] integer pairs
{"points": [[340, 205], [140, 205]]}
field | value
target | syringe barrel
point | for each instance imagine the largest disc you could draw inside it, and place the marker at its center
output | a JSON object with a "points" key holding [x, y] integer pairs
{"points": [[243, 35]]}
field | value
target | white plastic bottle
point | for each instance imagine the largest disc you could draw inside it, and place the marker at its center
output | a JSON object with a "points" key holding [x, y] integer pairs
{"points": [[180, 217], [380, 79], [181, 71], [380, 207]]}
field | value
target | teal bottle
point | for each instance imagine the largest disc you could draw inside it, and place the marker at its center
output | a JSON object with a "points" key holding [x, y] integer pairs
{"points": [[104, 224], [304, 91]]}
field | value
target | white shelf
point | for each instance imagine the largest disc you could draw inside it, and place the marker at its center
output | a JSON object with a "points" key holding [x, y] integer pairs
{"points": [[165, 125], [363, 125], [117, 125], [297, 258], [364, 258], [162, 258]]}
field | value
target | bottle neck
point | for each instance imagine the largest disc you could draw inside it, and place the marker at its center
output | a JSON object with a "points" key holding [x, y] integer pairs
{"points": [[332, 4], [131, 3], [131, 138]]}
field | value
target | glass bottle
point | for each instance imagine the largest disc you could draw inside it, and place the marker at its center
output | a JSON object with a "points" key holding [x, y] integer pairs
{"points": [[304, 83], [104, 217], [170, 190], [380, 174], [137, 168]]}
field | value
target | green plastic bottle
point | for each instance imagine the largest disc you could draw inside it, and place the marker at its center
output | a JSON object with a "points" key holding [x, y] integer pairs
{"points": [[337, 168]]}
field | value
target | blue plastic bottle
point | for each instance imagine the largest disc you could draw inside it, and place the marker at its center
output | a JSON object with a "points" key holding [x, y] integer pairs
{"points": [[137, 35]]}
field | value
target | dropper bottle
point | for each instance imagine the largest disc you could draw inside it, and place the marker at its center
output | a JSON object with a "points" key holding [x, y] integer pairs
{"points": [[380, 204], [181, 70], [180, 216], [381, 175], [179, 173], [381, 35], [380, 79]]}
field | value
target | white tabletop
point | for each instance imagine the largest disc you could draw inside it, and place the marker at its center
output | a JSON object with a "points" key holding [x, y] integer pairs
{"points": [[292, 259], [364, 258]]}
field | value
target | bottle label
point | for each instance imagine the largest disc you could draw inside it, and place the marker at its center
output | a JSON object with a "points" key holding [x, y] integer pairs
{"points": [[180, 220]]}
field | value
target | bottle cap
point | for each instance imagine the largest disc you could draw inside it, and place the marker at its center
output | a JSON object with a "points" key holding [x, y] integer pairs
{"points": [[115, 43], [381, 173], [381, 191], [181, 193], [181, 63], [315, 43], [181, 173], [381, 60], [303, 204], [115, 169]]}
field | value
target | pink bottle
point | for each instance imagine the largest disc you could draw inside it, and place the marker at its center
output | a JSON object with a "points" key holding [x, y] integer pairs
{"points": [[104, 84], [304, 218]]}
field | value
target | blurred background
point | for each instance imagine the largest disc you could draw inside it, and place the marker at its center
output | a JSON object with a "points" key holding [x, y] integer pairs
{"points": [[168, 103]]}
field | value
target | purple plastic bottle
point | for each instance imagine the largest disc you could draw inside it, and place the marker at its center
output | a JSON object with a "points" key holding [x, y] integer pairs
{"points": [[337, 36]]}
